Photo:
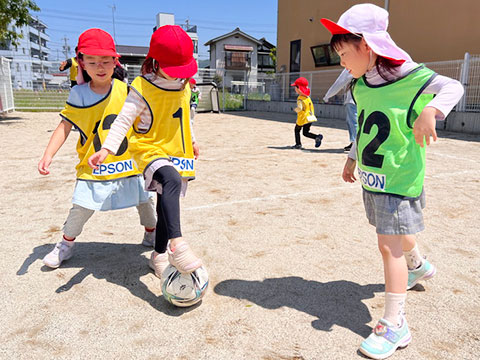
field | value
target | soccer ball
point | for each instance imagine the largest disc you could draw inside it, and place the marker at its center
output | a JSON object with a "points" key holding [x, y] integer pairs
{"points": [[184, 289]]}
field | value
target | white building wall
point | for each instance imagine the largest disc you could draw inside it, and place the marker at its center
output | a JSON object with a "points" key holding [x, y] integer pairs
{"points": [[218, 60]]}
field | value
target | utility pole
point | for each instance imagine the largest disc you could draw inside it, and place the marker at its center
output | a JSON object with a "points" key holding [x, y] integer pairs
{"points": [[113, 19], [66, 48], [41, 55]]}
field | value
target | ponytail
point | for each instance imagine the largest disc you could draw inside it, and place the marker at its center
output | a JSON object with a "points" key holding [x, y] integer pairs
{"points": [[149, 66]]}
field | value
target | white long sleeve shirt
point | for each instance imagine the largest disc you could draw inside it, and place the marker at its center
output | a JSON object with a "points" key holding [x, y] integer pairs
{"points": [[343, 80], [134, 107], [448, 92]]}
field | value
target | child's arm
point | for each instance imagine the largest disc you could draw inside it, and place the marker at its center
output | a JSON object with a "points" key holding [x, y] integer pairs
{"points": [[342, 81], [348, 174], [448, 92], [56, 141], [424, 126], [132, 108], [299, 107]]}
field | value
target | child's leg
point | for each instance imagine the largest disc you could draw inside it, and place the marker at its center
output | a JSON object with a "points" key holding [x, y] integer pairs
{"points": [[146, 211], [179, 253], [306, 132], [159, 257], [168, 204], [77, 217], [392, 331], [396, 274], [297, 130], [418, 267], [161, 235]]}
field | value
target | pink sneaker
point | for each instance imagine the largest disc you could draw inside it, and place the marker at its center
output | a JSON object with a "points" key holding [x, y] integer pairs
{"points": [[183, 258], [158, 263]]}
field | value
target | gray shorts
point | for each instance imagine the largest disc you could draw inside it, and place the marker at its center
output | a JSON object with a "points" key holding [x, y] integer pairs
{"points": [[394, 215]]}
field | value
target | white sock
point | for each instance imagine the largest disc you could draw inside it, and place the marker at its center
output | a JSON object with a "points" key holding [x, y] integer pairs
{"points": [[394, 307], [413, 257]]}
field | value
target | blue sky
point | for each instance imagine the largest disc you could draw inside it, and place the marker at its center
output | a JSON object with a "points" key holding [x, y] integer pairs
{"points": [[134, 20]]}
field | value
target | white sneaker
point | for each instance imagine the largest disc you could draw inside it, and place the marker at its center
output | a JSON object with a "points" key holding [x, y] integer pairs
{"points": [[149, 238], [183, 258], [62, 251], [158, 263]]}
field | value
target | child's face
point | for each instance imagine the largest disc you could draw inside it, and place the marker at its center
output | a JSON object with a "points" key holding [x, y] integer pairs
{"points": [[356, 59], [99, 68]]}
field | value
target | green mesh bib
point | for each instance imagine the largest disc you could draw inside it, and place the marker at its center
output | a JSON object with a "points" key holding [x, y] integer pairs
{"points": [[389, 159]]}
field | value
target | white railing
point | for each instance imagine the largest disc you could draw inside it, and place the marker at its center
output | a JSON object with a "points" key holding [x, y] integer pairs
{"points": [[6, 93]]}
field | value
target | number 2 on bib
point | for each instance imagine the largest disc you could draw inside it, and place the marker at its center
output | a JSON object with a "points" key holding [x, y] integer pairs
{"points": [[380, 120]]}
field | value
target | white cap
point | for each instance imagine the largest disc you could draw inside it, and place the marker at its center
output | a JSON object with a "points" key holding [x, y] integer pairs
{"points": [[371, 22]]}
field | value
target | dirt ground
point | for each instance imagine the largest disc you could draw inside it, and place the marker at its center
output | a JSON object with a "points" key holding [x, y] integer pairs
{"points": [[294, 268]]}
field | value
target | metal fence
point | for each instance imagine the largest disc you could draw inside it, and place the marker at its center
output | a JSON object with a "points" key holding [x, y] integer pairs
{"points": [[276, 87], [235, 87], [6, 93]]}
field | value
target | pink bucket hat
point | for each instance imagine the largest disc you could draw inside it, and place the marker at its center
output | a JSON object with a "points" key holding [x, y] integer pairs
{"points": [[371, 22]]}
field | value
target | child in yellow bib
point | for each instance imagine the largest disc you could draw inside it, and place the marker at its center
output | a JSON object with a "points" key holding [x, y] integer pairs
{"points": [[91, 108], [162, 142], [305, 114]]}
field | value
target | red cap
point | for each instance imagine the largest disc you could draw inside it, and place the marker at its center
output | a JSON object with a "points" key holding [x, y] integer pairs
{"points": [[172, 48], [334, 28], [193, 81], [302, 85], [96, 42]]}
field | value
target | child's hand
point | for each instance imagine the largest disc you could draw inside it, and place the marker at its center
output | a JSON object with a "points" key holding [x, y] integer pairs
{"points": [[348, 174], [196, 150], [96, 159], [424, 126], [44, 164]]}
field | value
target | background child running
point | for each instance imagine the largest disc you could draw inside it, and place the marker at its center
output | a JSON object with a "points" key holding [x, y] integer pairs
{"points": [[163, 145], [91, 108], [396, 118], [305, 114], [196, 96]]}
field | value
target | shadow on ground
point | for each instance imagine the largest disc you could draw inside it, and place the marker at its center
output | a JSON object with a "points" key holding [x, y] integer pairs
{"points": [[332, 303], [337, 124], [120, 264], [291, 118], [8, 119], [328, 151]]}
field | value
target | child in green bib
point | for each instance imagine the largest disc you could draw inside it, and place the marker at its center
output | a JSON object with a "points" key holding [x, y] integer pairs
{"points": [[396, 118]]}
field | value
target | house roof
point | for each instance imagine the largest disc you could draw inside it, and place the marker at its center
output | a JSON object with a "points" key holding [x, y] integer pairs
{"points": [[237, 31], [130, 50], [266, 43]]}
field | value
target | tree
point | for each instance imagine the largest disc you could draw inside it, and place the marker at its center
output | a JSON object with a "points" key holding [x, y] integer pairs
{"points": [[17, 13], [273, 56]]}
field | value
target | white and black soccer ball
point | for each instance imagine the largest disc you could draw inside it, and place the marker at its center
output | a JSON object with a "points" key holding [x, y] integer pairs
{"points": [[184, 290]]}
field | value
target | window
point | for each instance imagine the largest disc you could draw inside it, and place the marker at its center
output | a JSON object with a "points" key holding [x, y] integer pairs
{"points": [[295, 47], [237, 60], [265, 60], [324, 55], [195, 46]]}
